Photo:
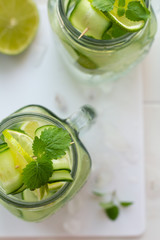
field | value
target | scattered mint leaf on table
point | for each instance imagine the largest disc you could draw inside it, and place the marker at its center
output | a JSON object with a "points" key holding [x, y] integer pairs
{"points": [[136, 11], [126, 204], [112, 212], [112, 208], [103, 5], [106, 205], [37, 173]]}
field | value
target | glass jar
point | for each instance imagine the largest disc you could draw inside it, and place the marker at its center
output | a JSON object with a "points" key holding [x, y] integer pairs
{"points": [[80, 159], [94, 61]]}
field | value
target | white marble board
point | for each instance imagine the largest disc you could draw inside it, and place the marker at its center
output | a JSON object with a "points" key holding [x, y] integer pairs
{"points": [[115, 141]]}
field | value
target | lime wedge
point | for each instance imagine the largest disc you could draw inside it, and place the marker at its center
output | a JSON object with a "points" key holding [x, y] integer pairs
{"points": [[21, 147], [18, 25], [118, 16]]}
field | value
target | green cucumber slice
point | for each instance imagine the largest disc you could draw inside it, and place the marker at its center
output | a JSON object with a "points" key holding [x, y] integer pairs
{"points": [[62, 163], [3, 147], [60, 175], [29, 196], [19, 190], [41, 129], [10, 177], [85, 16], [55, 186]]}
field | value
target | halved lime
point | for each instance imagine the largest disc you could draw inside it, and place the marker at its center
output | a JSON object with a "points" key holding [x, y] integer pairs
{"points": [[117, 16], [21, 147], [18, 25]]}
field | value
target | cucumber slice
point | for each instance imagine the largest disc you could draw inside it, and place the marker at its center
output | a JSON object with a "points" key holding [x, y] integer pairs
{"points": [[55, 186], [62, 163], [60, 175], [85, 16], [41, 129], [19, 190], [3, 147], [29, 196], [10, 177]]}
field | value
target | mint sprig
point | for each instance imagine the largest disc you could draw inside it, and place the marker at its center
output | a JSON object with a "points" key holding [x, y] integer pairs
{"points": [[113, 207], [52, 144], [103, 5], [136, 12]]}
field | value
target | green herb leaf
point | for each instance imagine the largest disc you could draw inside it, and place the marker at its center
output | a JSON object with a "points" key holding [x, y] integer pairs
{"points": [[106, 36], [121, 3], [56, 140], [136, 11], [37, 173], [126, 204], [111, 209], [98, 194], [112, 212], [103, 5], [106, 205], [114, 32], [120, 12], [38, 147]]}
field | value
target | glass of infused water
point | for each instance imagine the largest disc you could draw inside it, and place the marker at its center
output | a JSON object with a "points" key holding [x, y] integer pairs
{"points": [[43, 163], [101, 40]]}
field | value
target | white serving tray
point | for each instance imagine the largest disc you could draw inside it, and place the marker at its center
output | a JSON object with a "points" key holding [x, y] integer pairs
{"points": [[115, 141]]}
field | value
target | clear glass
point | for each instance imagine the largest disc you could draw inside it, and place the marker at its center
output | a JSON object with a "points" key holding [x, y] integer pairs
{"points": [[94, 61], [81, 162]]}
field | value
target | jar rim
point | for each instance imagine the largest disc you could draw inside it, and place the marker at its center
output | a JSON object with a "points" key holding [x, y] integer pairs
{"points": [[74, 33], [15, 118]]}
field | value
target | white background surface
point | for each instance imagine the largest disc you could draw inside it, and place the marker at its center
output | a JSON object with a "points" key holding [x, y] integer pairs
{"points": [[151, 83]]}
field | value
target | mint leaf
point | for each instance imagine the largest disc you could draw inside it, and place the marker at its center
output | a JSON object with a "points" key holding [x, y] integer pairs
{"points": [[137, 12], [106, 36], [112, 212], [126, 204], [38, 147], [103, 5], [111, 209], [121, 3], [98, 194], [37, 173], [106, 205], [120, 12], [56, 140]]}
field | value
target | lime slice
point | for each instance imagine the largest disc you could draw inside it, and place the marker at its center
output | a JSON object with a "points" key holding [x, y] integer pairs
{"points": [[117, 16], [30, 127], [18, 25], [21, 147]]}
